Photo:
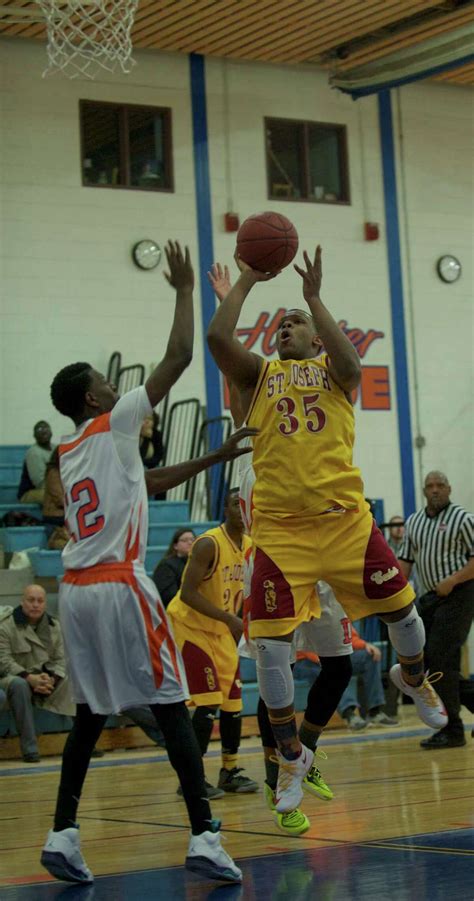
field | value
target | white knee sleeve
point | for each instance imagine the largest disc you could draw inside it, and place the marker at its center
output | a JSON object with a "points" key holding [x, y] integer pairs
{"points": [[408, 635], [275, 679]]}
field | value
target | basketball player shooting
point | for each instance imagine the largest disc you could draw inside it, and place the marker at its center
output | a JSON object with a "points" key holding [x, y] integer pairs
{"points": [[310, 520], [120, 650]]}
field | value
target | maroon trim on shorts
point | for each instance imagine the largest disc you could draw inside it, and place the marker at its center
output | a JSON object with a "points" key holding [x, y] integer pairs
{"points": [[271, 595], [235, 692], [380, 580], [201, 672]]}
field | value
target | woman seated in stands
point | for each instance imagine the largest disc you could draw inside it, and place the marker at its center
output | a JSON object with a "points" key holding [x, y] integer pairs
{"points": [[169, 571]]}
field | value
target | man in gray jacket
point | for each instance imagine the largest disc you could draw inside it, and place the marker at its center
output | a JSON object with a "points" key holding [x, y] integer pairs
{"points": [[32, 666]]}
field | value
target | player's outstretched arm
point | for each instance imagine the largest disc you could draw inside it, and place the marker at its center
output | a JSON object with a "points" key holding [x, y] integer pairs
{"points": [[167, 477], [219, 278], [237, 363], [344, 361], [179, 351], [200, 565]]}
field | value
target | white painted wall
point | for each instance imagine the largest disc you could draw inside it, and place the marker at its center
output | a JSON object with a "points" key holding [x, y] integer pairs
{"points": [[434, 125], [70, 288], [71, 291]]}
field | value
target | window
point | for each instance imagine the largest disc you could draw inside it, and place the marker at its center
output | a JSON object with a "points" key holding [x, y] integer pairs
{"points": [[307, 161], [126, 146]]}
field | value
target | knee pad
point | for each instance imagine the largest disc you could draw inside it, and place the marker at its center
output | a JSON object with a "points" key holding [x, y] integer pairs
{"points": [[408, 634], [275, 678]]}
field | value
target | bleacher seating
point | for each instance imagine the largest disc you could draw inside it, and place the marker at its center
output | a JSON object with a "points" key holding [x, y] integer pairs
{"points": [[31, 509], [13, 454], [9, 492], [164, 518], [10, 473], [19, 539]]}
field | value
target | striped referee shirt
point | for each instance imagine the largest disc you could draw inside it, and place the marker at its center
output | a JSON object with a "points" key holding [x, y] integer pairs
{"points": [[439, 545]]}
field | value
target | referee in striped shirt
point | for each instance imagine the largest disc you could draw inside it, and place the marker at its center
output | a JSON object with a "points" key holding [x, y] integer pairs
{"points": [[440, 540]]}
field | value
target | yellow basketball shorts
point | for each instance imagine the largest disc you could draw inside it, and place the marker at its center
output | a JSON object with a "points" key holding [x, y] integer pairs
{"points": [[212, 667], [345, 549]]}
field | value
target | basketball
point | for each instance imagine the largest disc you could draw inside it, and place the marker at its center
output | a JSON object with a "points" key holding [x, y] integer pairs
{"points": [[267, 242]]}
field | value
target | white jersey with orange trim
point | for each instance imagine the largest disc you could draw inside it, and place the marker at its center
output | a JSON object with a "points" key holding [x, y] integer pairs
{"points": [[106, 504], [246, 483]]}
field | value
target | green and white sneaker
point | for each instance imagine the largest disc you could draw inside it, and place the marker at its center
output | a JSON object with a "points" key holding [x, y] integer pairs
{"points": [[293, 823], [314, 783]]}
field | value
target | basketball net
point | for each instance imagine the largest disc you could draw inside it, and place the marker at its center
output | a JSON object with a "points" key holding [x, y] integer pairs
{"points": [[85, 36]]}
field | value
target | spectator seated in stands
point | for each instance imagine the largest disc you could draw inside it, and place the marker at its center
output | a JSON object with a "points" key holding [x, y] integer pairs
{"points": [[53, 505], [395, 533], [151, 446], [32, 666], [366, 662], [31, 488], [169, 571]]}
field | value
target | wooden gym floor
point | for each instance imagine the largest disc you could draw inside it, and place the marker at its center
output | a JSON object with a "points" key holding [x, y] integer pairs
{"points": [[399, 827]]}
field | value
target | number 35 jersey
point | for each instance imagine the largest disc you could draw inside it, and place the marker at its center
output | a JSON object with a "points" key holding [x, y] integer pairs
{"points": [[302, 455], [106, 504]]}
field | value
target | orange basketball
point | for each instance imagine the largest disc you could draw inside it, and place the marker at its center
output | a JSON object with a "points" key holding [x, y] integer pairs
{"points": [[267, 241]]}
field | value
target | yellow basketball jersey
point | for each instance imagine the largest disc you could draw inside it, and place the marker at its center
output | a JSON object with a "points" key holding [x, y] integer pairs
{"points": [[222, 586], [302, 455]]}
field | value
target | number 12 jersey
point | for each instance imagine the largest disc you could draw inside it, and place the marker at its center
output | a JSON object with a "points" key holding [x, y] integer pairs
{"points": [[105, 498]]}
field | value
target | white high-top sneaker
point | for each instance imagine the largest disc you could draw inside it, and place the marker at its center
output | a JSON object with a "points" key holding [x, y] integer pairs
{"points": [[207, 857], [61, 856], [289, 792], [429, 705]]}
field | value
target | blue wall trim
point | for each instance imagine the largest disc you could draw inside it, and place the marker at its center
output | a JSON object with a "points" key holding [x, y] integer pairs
{"points": [[204, 224], [396, 302]]}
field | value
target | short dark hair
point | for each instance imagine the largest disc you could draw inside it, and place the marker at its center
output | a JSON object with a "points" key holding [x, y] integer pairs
{"points": [[229, 493], [69, 387]]}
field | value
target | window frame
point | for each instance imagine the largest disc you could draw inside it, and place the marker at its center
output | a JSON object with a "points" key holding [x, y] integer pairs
{"points": [[124, 148], [339, 127]]}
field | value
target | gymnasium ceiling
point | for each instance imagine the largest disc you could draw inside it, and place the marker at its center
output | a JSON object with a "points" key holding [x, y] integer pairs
{"points": [[334, 34]]}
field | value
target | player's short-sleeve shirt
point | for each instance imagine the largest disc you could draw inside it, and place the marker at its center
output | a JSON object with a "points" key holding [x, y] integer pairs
{"points": [[106, 507]]}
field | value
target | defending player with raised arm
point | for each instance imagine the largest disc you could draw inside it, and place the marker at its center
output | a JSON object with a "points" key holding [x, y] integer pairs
{"points": [[164, 478], [119, 646], [310, 521]]}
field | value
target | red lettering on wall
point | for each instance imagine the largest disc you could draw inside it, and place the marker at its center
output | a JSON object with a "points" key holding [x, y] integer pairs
{"points": [[374, 388]]}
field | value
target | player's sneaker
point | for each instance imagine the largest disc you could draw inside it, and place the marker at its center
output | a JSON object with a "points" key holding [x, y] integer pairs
{"points": [[293, 823], [354, 720], [429, 705], [61, 856], [207, 857], [381, 719], [232, 781], [314, 783], [212, 791], [290, 776]]}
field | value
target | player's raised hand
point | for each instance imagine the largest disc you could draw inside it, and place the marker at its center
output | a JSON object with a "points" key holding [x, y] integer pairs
{"points": [[256, 275], [230, 449], [313, 274], [220, 281], [181, 273]]}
